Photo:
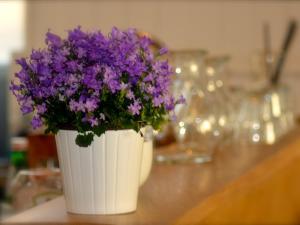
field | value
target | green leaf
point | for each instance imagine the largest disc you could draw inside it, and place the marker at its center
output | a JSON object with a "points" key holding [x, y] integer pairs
{"points": [[84, 140], [99, 130]]}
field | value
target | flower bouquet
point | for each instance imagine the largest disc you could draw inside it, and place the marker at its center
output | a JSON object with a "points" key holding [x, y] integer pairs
{"points": [[95, 92]]}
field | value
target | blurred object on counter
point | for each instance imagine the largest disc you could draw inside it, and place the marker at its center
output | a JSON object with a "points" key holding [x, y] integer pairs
{"points": [[33, 187], [201, 123], [260, 70], [188, 66], [264, 116], [18, 157], [19, 153], [165, 136], [42, 151], [262, 62], [216, 73], [18, 161], [268, 56], [290, 34]]}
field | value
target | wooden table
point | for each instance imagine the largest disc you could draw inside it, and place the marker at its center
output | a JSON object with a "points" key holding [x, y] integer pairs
{"points": [[241, 186]]}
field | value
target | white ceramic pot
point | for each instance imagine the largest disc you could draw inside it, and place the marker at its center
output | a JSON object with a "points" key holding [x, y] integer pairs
{"points": [[103, 178], [147, 153], [147, 159]]}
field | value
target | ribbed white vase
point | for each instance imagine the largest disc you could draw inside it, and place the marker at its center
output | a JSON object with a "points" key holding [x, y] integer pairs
{"points": [[103, 178]]}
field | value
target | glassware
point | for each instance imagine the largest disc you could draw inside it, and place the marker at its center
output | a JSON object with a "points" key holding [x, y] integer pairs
{"points": [[264, 116], [216, 72], [197, 128], [33, 187], [187, 65]]}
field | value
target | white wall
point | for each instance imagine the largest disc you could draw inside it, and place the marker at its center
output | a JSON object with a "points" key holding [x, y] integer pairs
{"points": [[222, 27]]}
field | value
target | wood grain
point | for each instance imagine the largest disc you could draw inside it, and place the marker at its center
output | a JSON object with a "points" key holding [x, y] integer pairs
{"points": [[241, 186], [268, 194]]}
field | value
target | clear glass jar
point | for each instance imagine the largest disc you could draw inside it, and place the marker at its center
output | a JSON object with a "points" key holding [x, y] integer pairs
{"points": [[197, 127], [216, 72], [187, 65], [264, 116]]}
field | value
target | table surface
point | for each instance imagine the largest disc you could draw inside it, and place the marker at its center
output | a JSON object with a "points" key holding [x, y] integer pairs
{"points": [[175, 194]]}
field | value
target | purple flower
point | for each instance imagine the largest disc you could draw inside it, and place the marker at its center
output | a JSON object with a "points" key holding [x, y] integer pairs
{"points": [[169, 103], [36, 55], [84, 105], [116, 33], [22, 62], [41, 109], [163, 51], [149, 77], [150, 89], [130, 95], [76, 35], [123, 86], [90, 79], [53, 39], [181, 100], [85, 72], [145, 42], [91, 120], [81, 53], [135, 108], [80, 107], [26, 105], [91, 104], [157, 101], [65, 51], [72, 66], [36, 122], [73, 105], [111, 80]]}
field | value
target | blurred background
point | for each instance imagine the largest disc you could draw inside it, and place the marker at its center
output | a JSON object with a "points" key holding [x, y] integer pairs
{"points": [[221, 50]]}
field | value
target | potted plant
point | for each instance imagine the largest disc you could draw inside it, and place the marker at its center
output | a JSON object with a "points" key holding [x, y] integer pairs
{"points": [[95, 93]]}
